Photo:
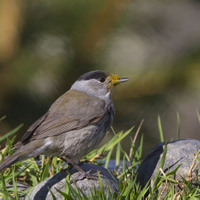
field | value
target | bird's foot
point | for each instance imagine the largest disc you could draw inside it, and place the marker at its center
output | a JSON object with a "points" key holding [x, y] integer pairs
{"points": [[85, 175]]}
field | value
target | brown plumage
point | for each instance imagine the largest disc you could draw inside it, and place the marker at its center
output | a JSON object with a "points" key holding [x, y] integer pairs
{"points": [[74, 124]]}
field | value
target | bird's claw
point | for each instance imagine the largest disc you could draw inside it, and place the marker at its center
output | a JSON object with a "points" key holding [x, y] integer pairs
{"points": [[86, 175]]}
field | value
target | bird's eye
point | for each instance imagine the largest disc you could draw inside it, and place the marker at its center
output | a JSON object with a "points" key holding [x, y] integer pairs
{"points": [[101, 79]]}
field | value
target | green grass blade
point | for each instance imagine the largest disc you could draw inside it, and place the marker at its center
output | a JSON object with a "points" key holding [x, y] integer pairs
{"points": [[67, 196], [124, 164], [178, 126], [129, 188], [118, 153], [100, 183], [45, 172], [173, 172], [4, 190], [9, 178], [66, 184], [160, 129], [119, 138], [2, 118], [108, 157], [14, 183], [10, 133], [162, 162], [143, 191], [52, 194]]}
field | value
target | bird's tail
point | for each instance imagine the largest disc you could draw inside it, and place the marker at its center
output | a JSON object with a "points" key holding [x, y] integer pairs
{"points": [[9, 161]]}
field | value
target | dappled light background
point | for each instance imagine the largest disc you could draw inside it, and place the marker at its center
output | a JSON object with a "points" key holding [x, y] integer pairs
{"points": [[46, 45]]}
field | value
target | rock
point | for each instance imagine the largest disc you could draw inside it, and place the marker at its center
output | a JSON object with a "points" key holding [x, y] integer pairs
{"points": [[58, 181], [21, 187], [180, 152]]}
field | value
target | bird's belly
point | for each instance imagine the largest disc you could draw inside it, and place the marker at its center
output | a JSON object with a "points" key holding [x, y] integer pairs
{"points": [[78, 143]]}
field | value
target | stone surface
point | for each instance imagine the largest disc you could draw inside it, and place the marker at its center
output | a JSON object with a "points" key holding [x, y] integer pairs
{"points": [[20, 188], [58, 181], [179, 152]]}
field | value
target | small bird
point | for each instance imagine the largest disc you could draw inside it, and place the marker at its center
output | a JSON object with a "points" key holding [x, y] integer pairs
{"points": [[74, 124]]}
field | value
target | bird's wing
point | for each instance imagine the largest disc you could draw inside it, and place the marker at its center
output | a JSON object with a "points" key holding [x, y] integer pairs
{"points": [[72, 111], [26, 137]]}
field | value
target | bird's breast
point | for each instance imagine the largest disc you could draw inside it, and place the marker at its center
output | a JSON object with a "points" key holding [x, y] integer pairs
{"points": [[78, 143]]}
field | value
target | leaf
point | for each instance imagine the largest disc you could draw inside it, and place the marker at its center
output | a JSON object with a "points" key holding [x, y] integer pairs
{"points": [[67, 196], [4, 191], [100, 183], [2, 118], [117, 161], [52, 194], [108, 157], [173, 172], [178, 126], [162, 162], [45, 172], [143, 191], [160, 129], [117, 138], [10, 133], [128, 189], [14, 183]]}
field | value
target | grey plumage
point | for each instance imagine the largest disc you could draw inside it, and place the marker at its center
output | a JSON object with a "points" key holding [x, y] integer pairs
{"points": [[74, 124]]}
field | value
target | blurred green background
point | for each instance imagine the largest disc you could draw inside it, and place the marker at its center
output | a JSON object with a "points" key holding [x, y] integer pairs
{"points": [[46, 45]]}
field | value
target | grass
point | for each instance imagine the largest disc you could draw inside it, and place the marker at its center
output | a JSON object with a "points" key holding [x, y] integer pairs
{"points": [[30, 172]]}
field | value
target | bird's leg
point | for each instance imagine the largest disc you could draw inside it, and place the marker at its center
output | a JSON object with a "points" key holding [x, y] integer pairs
{"points": [[71, 163], [82, 173], [70, 166]]}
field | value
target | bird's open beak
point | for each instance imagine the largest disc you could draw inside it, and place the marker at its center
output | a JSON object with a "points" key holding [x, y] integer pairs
{"points": [[115, 80]]}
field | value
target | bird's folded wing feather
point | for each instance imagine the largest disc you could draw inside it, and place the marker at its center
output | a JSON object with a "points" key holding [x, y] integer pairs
{"points": [[73, 110]]}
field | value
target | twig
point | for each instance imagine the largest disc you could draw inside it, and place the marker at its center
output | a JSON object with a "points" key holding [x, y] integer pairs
{"points": [[134, 139], [189, 174], [98, 155], [166, 182]]}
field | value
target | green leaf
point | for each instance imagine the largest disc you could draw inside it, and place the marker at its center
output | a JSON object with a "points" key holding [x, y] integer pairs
{"points": [[143, 191], [45, 171], [162, 162], [14, 183], [2, 118], [100, 183], [178, 126], [52, 194], [117, 138], [4, 191], [10, 133], [173, 172], [124, 164], [108, 157], [169, 179], [67, 196], [7, 179], [160, 129], [131, 185], [117, 160]]}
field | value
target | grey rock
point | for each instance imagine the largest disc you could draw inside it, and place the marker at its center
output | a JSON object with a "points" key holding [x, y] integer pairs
{"points": [[179, 152], [20, 188], [58, 181]]}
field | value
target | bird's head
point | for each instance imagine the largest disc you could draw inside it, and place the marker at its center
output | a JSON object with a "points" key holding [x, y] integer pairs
{"points": [[97, 83]]}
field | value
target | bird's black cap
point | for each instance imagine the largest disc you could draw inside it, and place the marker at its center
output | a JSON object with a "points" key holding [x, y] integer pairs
{"points": [[99, 75]]}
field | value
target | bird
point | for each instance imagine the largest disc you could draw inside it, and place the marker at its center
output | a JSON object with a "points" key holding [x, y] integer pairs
{"points": [[74, 124]]}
